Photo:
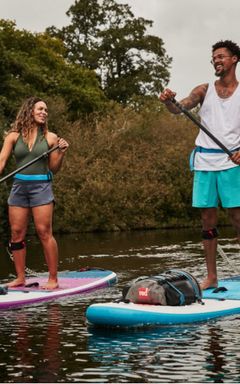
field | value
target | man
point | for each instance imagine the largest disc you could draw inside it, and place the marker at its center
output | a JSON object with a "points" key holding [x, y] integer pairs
{"points": [[216, 176]]}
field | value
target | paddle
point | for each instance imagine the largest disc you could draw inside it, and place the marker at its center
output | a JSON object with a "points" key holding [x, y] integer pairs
{"points": [[44, 154], [191, 117]]}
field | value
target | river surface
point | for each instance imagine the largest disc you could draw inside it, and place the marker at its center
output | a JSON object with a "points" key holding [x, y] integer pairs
{"points": [[52, 343]]}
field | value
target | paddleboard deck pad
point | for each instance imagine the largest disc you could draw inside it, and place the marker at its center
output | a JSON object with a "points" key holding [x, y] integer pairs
{"points": [[214, 305], [228, 289], [70, 283]]}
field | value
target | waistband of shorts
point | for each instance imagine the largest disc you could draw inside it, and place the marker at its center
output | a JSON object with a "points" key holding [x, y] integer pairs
{"points": [[212, 150], [40, 177], [199, 149]]}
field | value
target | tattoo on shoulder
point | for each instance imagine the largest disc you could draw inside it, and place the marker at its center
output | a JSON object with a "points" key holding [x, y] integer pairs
{"points": [[191, 101], [196, 96]]}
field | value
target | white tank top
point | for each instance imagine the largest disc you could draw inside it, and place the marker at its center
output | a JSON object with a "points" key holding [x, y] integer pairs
{"points": [[222, 118]]}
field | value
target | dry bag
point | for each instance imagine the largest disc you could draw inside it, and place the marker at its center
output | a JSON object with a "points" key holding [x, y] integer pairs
{"points": [[173, 287]]}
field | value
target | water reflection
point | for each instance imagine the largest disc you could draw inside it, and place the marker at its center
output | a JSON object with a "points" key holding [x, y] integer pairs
{"points": [[215, 355], [25, 339], [52, 343], [164, 354]]}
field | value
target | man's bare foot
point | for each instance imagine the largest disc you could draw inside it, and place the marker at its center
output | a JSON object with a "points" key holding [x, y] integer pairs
{"points": [[208, 283], [51, 284], [16, 283]]}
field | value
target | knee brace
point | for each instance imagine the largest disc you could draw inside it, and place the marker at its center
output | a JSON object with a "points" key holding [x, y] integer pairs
{"points": [[16, 246], [209, 234]]}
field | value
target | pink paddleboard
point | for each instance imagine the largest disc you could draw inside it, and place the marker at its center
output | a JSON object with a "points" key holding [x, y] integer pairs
{"points": [[70, 283]]}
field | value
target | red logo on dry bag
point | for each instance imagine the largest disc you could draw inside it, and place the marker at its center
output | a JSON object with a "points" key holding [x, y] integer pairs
{"points": [[143, 293]]}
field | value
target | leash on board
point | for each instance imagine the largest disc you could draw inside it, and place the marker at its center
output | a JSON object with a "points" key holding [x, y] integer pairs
{"points": [[226, 259], [28, 271]]}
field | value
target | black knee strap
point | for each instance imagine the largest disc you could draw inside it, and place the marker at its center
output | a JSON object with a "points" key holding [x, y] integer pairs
{"points": [[17, 246], [209, 234]]}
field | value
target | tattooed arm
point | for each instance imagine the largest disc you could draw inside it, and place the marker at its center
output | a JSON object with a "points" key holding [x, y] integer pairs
{"points": [[196, 97]]}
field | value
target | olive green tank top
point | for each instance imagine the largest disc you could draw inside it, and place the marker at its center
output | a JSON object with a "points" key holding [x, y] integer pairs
{"points": [[23, 155]]}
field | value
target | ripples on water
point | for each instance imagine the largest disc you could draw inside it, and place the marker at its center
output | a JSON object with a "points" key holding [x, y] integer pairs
{"points": [[52, 342]]}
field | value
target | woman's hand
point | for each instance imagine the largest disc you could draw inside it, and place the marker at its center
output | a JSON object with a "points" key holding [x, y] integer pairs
{"points": [[63, 145]]}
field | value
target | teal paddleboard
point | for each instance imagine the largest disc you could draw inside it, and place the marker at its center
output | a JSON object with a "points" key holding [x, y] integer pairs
{"points": [[217, 302], [228, 289]]}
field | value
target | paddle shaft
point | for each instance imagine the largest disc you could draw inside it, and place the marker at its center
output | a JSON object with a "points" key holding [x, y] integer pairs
{"points": [[191, 117], [44, 154]]}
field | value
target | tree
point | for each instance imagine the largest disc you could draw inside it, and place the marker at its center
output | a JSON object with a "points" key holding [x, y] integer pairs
{"points": [[36, 64], [110, 40]]}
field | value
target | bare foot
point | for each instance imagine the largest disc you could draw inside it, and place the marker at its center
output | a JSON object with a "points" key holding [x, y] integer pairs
{"points": [[15, 283], [51, 284], [208, 283]]}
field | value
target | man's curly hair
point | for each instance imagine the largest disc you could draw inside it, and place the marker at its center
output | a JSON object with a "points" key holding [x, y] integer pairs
{"points": [[230, 45]]}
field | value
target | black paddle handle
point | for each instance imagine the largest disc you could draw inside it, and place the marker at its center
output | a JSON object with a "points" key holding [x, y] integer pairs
{"points": [[191, 117], [44, 154]]}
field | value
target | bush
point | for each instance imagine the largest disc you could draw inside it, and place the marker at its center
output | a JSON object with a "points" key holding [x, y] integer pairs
{"points": [[128, 171]]}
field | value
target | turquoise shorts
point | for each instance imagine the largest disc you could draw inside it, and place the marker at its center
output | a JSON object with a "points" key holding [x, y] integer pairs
{"points": [[213, 187]]}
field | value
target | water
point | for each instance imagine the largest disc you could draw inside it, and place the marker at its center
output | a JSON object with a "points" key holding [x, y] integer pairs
{"points": [[52, 342]]}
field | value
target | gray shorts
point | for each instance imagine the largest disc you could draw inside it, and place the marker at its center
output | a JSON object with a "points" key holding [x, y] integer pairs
{"points": [[29, 194]]}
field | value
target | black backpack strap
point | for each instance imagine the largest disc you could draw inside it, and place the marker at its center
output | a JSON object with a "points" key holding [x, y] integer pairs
{"points": [[163, 279], [192, 281]]}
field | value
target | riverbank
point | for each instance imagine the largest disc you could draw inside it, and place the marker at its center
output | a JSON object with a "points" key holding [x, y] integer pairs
{"points": [[126, 171]]}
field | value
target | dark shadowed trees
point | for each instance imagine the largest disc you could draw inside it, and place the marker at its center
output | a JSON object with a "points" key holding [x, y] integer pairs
{"points": [[105, 36]]}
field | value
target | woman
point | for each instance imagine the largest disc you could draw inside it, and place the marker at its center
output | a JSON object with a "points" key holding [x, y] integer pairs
{"points": [[31, 192]]}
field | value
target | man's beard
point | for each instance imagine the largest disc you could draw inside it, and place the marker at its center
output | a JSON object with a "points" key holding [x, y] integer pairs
{"points": [[220, 73]]}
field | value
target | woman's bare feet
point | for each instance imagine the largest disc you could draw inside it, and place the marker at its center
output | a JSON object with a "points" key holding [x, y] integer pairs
{"points": [[51, 284], [16, 283], [208, 283]]}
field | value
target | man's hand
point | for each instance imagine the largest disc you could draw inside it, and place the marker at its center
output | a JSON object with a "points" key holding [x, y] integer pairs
{"points": [[236, 157], [166, 96]]}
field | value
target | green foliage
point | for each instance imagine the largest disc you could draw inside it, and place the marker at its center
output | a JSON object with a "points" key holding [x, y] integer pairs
{"points": [[127, 168], [108, 38], [127, 171], [35, 64]]}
